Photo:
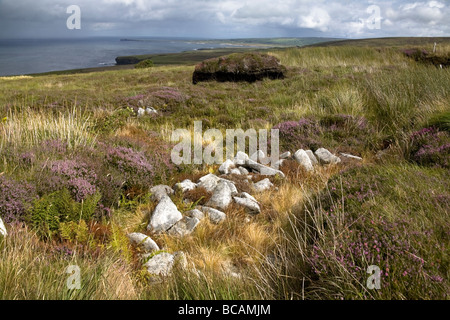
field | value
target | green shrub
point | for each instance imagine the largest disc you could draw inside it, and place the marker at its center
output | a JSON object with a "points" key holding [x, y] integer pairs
{"points": [[144, 64]]}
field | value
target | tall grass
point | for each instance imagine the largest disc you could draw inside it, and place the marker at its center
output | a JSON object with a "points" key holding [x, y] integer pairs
{"points": [[27, 128]]}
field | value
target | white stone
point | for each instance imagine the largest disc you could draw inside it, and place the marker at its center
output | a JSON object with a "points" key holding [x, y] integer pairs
{"points": [[302, 157], [312, 157], [250, 205], [160, 191], [195, 213], [184, 227], [151, 110], [140, 239], [326, 157], [351, 156], [226, 167], [185, 185], [285, 155], [221, 197], [160, 264], [165, 216], [262, 169], [236, 171], [141, 112], [263, 185], [243, 171], [248, 196], [3, 231], [214, 215], [240, 158], [258, 156], [209, 182]]}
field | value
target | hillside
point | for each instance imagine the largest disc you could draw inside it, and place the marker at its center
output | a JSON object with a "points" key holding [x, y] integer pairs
{"points": [[79, 163]]}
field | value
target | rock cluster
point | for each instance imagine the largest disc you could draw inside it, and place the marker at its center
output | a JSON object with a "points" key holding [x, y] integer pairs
{"points": [[166, 218]]}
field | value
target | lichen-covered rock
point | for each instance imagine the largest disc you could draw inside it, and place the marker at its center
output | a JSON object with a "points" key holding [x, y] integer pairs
{"points": [[214, 215], [160, 191], [195, 213], [302, 157], [312, 157], [184, 227], [285, 155], [262, 169], [221, 197], [144, 241], [326, 157], [209, 182], [262, 185], [226, 167], [160, 264], [250, 205], [248, 67], [240, 158], [185, 185], [165, 216]]}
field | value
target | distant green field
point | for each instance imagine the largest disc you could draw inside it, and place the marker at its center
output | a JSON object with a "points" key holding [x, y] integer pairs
{"points": [[385, 42]]}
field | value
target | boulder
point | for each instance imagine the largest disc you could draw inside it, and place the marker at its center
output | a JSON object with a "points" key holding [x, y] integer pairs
{"points": [[250, 205], [248, 196], [262, 169], [240, 158], [150, 110], [235, 171], [195, 213], [165, 216], [184, 227], [258, 156], [235, 67], [214, 215], [285, 155], [243, 171], [221, 197], [209, 182], [144, 241], [302, 157], [3, 231], [326, 157], [185, 185], [226, 167], [141, 112], [312, 157], [263, 185], [160, 264], [160, 191]]}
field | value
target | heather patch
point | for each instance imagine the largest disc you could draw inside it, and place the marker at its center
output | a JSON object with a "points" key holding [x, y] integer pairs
{"points": [[430, 147], [372, 218], [164, 99], [15, 198], [341, 132]]}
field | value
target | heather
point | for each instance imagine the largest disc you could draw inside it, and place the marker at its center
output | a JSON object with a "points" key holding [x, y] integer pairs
{"points": [[77, 164]]}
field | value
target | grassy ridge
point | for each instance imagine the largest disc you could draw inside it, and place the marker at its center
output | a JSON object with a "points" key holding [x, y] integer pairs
{"points": [[310, 239]]}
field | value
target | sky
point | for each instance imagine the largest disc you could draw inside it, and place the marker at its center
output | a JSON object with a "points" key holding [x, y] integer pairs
{"points": [[225, 19]]}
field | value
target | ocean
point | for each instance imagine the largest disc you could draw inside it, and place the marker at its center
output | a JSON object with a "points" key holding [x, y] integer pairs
{"points": [[28, 56]]}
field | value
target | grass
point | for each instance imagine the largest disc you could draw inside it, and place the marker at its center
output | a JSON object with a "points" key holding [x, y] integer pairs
{"points": [[363, 98]]}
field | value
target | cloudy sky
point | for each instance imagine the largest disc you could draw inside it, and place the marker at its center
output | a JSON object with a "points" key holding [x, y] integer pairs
{"points": [[226, 19]]}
